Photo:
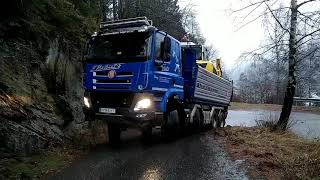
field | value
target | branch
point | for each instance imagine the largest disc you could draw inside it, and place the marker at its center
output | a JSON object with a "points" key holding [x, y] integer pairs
{"points": [[276, 18], [250, 5], [312, 12], [252, 11], [309, 18], [250, 21], [304, 42], [306, 23], [269, 49], [277, 41], [310, 53], [305, 2], [318, 30], [255, 53]]}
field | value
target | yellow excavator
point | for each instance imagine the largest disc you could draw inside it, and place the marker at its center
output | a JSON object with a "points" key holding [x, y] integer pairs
{"points": [[207, 63], [209, 66], [202, 61]]}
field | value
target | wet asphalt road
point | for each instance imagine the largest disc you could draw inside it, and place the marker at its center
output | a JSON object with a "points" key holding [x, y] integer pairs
{"points": [[197, 156]]}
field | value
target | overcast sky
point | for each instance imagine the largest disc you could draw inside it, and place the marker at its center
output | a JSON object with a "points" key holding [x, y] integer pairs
{"points": [[220, 30]]}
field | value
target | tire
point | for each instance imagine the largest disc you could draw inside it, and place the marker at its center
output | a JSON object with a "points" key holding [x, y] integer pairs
{"points": [[216, 119], [89, 117], [170, 127], [196, 120], [225, 115], [182, 120], [219, 119], [147, 133], [201, 123], [212, 122], [114, 133]]}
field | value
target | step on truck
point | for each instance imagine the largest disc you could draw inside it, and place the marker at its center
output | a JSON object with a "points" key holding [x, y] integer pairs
{"points": [[137, 76]]}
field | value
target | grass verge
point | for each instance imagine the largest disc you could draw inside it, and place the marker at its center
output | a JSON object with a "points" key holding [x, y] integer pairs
{"points": [[271, 107], [46, 163], [274, 155]]}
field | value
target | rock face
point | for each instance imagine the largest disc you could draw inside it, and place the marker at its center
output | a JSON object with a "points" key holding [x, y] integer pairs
{"points": [[41, 74], [41, 97]]}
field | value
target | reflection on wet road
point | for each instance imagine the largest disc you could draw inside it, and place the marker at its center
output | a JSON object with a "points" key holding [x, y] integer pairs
{"points": [[304, 124], [197, 156]]}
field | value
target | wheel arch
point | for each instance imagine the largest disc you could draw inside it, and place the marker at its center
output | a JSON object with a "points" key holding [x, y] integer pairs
{"points": [[171, 94]]}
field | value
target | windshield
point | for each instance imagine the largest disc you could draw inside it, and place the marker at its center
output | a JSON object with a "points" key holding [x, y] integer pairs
{"points": [[119, 48]]}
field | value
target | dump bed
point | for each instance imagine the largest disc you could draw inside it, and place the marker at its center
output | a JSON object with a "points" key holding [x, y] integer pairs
{"points": [[202, 86], [210, 88]]}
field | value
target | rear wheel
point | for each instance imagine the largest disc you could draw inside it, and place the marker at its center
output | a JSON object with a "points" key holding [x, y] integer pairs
{"points": [[197, 120], [211, 125], [201, 124], [218, 118], [114, 133], [225, 115], [221, 118]]}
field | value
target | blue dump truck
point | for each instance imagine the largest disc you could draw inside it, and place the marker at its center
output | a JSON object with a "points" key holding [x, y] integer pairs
{"points": [[138, 76]]}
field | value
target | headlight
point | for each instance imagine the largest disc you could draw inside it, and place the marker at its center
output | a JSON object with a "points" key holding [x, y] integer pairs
{"points": [[142, 104], [86, 102]]}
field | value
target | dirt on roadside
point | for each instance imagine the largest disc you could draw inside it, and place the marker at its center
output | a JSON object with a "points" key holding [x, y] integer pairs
{"points": [[272, 155], [42, 164]]}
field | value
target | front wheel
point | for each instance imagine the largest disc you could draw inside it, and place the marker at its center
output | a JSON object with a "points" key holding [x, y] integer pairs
{"points": [[114, 133], [89, 117], [147, 133], [170, 127]]}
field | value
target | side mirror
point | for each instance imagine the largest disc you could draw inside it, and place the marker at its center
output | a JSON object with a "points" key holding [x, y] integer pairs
{"points": [[167, 45], [165, 49], [162, 51]]}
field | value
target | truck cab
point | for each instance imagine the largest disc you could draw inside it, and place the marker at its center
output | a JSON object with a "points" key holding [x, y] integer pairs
{"points": [[131, 71]]}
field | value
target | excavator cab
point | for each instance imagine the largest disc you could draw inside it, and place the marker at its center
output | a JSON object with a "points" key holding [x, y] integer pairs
{"points": [[202, 61], [208, 64]]}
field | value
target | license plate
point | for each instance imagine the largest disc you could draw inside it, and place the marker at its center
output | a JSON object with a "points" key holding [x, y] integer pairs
{"points": [[108, 110]]}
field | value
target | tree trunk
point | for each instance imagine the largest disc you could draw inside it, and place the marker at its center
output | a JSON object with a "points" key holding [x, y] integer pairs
{"points": [[278, 71], [290, 91]]}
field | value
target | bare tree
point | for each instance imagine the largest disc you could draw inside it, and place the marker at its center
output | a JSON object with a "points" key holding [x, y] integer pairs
{"points": [[295, 41], [291, 87]]}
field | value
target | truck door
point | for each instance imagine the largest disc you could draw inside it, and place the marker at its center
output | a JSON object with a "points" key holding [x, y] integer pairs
{"points": [[167, 54], [167, 61]]}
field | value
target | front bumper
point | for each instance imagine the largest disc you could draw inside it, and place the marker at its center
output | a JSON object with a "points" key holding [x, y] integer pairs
{"points": [[126, 117], [124, 104]]}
